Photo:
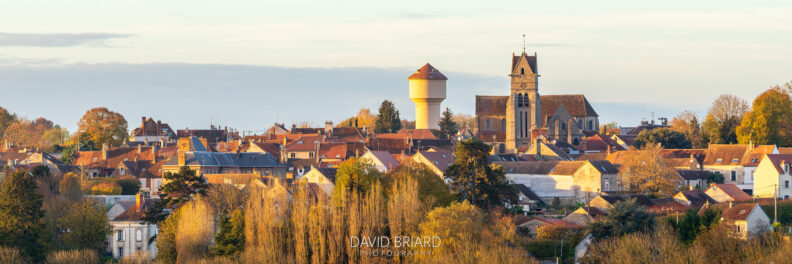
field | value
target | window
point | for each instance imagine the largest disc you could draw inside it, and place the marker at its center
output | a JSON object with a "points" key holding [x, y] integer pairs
{"points": [[292, 155], [122, 171], [580, 123], [591, 125], [120, 235], [719, 160], [138, 235], [310, 154], [522, 70], [735, 160], [120, 252], [488, 125], [786, 184], [503, 124], [522, 134], [733, 175], [563, 126], [519, 100]]}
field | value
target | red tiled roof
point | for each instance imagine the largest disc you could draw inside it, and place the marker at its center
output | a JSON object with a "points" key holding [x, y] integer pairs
{"points": [[306, 143], [418, 133], [739, 211], [722, 154], [733, 191], [427, 72], [333, 150], [776, 160]]}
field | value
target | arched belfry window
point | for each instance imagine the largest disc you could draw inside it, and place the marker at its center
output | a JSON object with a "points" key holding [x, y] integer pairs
{"points": [[519, 100], [527, 101], [522, 70]]}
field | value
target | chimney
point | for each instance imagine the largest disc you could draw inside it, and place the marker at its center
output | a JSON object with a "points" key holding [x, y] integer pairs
{"points": [[181, 158], [609, 149], [145, 142], [730, 204], [538, 147], [139, 201], [143, 120], [140, 148], [329, 128], [154, 153], [569, 131], [105, 150], [162, 142]]}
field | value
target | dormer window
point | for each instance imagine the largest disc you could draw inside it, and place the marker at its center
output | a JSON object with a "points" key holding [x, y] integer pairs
{"points": [[522, 70], [735, 160], [719, 160]]}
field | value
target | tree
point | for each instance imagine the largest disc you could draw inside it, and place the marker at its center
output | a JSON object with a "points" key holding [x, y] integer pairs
{"points": [[129, 185], [354, 176], [715, 177], [464, 120], [647, 172], [6, 119], [475, 180], [687, 123], [21, 223], [230, 241], [664, 136], [85, 226], [448, 128], [725, 114], [166, 239], [365, 119], [70, 187], [611, 128], [431, 188], [769, 121], [180, 187], [623, 218], [388, 120], [101, 125]]}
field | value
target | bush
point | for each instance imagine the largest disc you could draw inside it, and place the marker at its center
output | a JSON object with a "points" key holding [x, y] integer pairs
{"points": [[106, 188], [11, 256], [84, 256], [129, 185], [549, 248]]}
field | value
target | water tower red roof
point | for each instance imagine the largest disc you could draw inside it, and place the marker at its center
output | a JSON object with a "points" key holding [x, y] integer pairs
{"points": [[427, 72]]}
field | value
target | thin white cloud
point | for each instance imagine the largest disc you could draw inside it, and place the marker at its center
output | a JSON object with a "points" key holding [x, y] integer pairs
{"points": [[57, 39]]}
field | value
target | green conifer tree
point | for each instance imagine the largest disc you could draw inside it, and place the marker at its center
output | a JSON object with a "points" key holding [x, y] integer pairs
{"points": [[20, 215]]}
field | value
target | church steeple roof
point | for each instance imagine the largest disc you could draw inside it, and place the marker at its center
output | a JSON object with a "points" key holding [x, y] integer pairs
{"points": [[530, 59], [427, 72]]}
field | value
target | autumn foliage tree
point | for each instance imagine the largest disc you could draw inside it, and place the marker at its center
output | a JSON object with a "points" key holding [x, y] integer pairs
{"points": [[688, 124], [769, 121], [39, 133], [101, 125], [725, 114], [647, 172]]}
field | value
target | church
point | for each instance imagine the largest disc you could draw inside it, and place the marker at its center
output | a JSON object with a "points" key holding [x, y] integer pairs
{"points": [[513, 123]]}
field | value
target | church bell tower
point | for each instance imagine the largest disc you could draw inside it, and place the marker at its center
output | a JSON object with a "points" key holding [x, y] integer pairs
{"points": [[523, 110]]}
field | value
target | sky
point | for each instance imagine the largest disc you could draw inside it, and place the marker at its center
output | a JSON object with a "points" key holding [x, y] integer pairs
{"points": [[247, 64]]}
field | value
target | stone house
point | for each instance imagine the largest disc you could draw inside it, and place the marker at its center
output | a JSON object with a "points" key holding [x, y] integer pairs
{"points": [[131, 235]]}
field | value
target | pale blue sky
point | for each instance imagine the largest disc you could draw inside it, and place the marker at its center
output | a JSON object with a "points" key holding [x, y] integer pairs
{"points": [[663, 56]]}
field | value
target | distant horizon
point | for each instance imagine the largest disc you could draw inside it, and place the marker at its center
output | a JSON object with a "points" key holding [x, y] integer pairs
{"points": [[260, 109]]}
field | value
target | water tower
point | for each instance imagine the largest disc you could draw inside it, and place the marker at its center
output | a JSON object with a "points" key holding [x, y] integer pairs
{"points": [[427, 90]]}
